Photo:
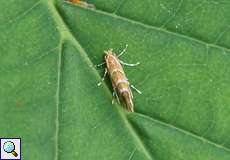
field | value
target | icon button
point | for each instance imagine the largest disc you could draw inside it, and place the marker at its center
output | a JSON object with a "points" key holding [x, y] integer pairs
{"points": [[10, 149]]}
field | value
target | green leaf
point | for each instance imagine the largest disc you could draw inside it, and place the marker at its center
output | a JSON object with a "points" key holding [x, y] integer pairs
{"points": [[48, 82]]}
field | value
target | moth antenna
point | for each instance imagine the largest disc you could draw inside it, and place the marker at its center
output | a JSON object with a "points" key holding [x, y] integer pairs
{"points": [[124, 50]]}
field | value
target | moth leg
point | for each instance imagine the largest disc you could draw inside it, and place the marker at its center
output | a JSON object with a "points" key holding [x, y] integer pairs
{"points": [[124, 50], [115, 95], [99, 65], [118, 100], [138, 91], [103, 78], [129, 64]]}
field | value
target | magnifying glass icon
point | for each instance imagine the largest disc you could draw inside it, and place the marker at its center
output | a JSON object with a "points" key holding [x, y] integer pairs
{"points": [[9, 147]]}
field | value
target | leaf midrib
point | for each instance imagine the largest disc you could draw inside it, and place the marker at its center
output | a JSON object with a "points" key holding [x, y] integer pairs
{"points": [[60, 21]]}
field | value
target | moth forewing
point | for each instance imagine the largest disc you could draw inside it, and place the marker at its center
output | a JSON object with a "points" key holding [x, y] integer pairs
{"points": [[119, 81], [128, 102], [126, 96]]}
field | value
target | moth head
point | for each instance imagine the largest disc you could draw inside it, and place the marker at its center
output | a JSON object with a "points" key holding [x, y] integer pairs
{"points": [[108, 53]]}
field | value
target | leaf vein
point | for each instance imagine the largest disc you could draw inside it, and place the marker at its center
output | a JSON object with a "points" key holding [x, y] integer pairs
{"points": [[59, 65], [160, 29], [186, 132], [23, 14]]}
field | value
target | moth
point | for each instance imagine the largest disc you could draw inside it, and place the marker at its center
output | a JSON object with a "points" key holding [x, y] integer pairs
{"points": [[84, 4], [120, 83]]}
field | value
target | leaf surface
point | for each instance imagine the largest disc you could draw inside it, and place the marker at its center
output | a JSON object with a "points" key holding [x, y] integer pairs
{"points": [[49, 93]]}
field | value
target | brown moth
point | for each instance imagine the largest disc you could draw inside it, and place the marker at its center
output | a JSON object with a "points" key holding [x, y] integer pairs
{"points": [[120, 83], [83, 4]]}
